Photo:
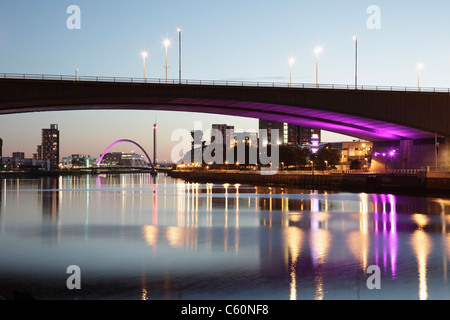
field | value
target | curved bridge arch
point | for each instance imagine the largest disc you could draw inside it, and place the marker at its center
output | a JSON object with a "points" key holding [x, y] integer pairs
{"points": [[374, 115], [129, 141]]}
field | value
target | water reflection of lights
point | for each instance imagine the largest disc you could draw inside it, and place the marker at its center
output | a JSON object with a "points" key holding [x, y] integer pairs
{"points": [[363, 211], [310, 234], [155, 205], [236, 234], [293, 238], [374, 213], [285, 204], [237, 185], [144, 294], [226, 185], [181, 196], [225, 231], [358, 241], [315, 204], [295, 216], [86, 222], [209, 203], [150, 234], [389, 241], [320, 239], [175, 236], [194, 212], [393, 237], [182, 237], [188, 204], [420, 219], [422, 244]]}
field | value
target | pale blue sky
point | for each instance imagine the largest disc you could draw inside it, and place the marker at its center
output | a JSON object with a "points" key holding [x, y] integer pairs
{"points": [[224, 40]]}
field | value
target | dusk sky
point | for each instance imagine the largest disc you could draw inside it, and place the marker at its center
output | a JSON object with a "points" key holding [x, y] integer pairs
{"points": [[221, 40]]}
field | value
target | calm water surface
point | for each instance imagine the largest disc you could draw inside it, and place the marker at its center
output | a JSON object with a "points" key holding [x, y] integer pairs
{"points": [[138, 237]]}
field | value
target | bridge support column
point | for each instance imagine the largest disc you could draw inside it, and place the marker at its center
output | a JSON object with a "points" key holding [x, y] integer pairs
{"points": [[412, 154]]}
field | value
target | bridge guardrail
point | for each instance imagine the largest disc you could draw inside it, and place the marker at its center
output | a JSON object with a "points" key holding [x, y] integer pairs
{"points": [[218, 83]]}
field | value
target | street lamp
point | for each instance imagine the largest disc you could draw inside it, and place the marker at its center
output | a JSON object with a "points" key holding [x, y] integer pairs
{"points": [[317, 51], [312, 163], [166, 44], [326, 165], [355, 38], [419, 68], [291, 63], [179, 54], [144, 55]]}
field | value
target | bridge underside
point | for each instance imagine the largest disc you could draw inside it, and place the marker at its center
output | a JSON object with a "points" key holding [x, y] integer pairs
{"points": [[352, 125], [407, 121], [365, 114]]}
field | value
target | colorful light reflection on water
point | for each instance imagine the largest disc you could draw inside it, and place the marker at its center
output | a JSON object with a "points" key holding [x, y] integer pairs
{"points": [[136, 236]]}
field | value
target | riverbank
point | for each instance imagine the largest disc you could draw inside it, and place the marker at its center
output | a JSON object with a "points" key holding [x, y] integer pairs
{"points": [[424, 182]]}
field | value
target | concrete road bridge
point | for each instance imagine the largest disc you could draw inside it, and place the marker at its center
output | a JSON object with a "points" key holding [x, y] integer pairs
{"points": [[411, 120]]}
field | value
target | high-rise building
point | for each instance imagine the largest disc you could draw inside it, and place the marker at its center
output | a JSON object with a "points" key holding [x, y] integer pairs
{"points": [[50, 146], [18, 155], [308, 135], [270, 126], [290, 134], [315, 141], [223, 128], [39, 155]]}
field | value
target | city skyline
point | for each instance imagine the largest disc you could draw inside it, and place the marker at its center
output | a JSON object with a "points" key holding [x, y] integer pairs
{"points": [[219, 42]]}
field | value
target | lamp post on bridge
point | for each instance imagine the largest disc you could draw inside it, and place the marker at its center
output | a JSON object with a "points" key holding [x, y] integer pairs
{"points": [[144, 55], [291, 63], [355, 38], [419, 68], [317, 51], [166, 43], [179, 55]]}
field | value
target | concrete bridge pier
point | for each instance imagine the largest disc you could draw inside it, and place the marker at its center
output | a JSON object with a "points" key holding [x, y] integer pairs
{"points": [[412, 154]]}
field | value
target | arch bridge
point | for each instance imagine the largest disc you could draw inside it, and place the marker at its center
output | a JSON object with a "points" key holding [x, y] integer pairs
{"points": [[151, 166]]}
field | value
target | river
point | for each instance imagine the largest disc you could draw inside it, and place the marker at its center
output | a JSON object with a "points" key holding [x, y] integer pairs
{"points": [[134, 236]]}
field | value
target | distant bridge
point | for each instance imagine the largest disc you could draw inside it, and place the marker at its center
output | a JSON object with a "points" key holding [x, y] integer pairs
{"points": [[151, 167]]}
